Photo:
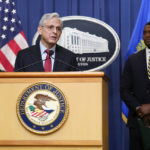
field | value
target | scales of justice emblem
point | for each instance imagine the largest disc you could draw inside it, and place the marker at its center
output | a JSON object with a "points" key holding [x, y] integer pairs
{"points": [[42, 108]]}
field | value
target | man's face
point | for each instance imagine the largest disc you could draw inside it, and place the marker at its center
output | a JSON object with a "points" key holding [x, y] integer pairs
{"points": [[50, 32], [146, 35]]}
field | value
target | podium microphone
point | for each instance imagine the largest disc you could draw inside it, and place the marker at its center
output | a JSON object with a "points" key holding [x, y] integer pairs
{"points": [[63, 62], [50, 53], [50, 56]]}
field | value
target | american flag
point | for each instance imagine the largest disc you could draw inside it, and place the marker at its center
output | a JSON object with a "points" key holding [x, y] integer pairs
{"points": [[39, 114], [12, 38]]}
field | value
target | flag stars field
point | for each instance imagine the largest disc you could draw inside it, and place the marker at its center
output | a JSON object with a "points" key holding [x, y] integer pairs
{"points": [[7, 2], [5, 19], [12, 29], [12, 38], [3, 36], [14, 11], [13, 20], [4, 28], [6, 10]]}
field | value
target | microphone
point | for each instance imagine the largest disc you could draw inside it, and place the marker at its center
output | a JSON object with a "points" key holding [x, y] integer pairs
{"points": [[62, 61], [50, 53], [50, 56]]}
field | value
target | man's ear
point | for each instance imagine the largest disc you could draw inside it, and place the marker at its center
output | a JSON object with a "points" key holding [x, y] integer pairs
{"points": [[39, 29]]}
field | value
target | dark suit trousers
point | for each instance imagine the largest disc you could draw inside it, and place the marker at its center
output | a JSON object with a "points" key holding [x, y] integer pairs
{"points": [[135, 139]]}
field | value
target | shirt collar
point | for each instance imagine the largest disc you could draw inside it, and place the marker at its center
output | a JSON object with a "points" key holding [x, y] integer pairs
{"points": [[147, 49], [43, 48]]}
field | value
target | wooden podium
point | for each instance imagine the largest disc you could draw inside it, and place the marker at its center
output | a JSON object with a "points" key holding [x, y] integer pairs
{"points": [[86, 127]]}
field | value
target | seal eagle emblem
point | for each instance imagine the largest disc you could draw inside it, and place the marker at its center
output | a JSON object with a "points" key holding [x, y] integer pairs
{"points": [[42, 108]]}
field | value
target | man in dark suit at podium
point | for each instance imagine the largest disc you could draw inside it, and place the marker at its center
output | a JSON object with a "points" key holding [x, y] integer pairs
{"points": [[135, 90], [47, 55]]}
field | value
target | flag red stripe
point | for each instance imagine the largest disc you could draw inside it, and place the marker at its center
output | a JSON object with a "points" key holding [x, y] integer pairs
{"points": [[22, 33], [39, 114], [34, 113], [14, 46], [4, 61], [43, 114]]}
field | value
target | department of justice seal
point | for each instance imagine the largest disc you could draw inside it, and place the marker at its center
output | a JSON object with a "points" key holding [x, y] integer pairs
{"points": [[42, 108]]}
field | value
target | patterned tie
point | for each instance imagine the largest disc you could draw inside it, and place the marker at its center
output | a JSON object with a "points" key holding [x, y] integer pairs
{"points": [[47, 65], [149, 67]]}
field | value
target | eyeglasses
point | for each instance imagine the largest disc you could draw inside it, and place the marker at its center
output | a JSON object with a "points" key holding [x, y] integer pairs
{"points": [[51, 28]]}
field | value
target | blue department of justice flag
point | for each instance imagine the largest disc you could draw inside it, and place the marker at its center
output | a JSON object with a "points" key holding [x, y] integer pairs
{"points": [[12, 38], [124, 112], [136, 41]]}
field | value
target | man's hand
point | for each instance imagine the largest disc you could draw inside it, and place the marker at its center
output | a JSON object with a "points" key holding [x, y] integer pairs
{"points": [[138, 111], [143, 110]]}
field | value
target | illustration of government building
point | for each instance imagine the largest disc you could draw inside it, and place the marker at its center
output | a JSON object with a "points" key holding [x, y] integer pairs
{"points": [[82, 42]]}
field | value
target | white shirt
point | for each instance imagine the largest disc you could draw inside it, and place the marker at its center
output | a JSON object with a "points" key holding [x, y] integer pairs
{"points": [[147, 55], [43, 54]]}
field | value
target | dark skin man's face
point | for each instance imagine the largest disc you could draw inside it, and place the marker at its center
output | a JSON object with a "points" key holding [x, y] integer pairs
{"points": [[146, 35]]}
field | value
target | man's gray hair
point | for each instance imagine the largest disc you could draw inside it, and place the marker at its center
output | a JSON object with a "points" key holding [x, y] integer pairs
{"points": [[49, 16]]}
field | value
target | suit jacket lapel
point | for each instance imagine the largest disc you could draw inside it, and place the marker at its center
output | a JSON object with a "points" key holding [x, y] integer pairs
{"points": [[143, 61], [57, 56], [36, 56]]}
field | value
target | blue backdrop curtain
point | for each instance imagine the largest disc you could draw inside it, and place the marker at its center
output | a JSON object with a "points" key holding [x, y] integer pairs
{"points": [[120, 15]]}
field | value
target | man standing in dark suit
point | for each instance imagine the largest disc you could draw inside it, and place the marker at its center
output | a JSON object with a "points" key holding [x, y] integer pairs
{"points": [[135, 90], [50, 29]]}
